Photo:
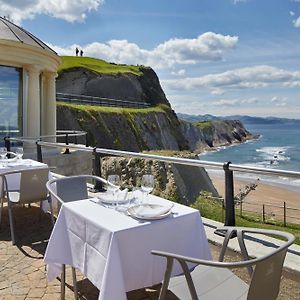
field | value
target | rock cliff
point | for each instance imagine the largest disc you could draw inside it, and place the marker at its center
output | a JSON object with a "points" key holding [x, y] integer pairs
{"points": [[135, 83], [210, 134]]}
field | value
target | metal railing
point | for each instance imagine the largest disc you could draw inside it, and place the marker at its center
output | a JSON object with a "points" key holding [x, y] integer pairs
{"points": [[228, 168], [94, 100]]}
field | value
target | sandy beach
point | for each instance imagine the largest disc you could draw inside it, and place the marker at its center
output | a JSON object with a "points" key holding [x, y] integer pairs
{"points": [[272, 195]]}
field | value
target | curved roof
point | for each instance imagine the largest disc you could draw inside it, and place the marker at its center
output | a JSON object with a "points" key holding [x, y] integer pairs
{"points": [[12, 32]]}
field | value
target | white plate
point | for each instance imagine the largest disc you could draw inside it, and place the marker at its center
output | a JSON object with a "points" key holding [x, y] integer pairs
{"points": [[108, 198], [133, 212], [8, 160]]}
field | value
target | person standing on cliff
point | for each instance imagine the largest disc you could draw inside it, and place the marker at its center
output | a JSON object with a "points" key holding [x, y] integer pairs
{"points": [[77, 51], [81, 53]]}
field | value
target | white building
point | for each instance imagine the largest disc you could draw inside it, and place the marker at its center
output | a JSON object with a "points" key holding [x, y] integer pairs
{"points": [[27, 83]]}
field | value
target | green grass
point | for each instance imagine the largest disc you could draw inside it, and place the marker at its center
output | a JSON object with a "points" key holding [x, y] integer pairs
{"points": [[97, 65], [212, 209], [115, 110]]}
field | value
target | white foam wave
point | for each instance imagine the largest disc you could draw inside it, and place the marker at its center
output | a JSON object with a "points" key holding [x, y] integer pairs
{"points": [[273, 155]]}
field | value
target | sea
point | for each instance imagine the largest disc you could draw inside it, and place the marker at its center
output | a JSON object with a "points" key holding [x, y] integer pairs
{"points": [[277, 147]]}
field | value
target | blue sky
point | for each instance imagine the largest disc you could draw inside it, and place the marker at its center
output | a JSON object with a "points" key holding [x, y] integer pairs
{"points": [[221, 57]]}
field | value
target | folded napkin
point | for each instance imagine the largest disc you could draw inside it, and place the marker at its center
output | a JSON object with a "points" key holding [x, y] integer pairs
{"points": [[152, 210], [108, 197]]}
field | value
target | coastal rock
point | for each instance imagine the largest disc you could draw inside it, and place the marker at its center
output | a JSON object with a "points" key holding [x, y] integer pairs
{"points": [[131, 130], [144, 88], [210, 134], [179, 183]]}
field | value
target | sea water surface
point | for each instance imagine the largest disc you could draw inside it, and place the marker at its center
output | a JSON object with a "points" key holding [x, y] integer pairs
{"points": [[278, 147]]}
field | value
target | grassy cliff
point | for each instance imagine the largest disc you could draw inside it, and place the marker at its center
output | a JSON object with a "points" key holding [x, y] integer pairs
{"points": [[124, 128], [97, 66]]}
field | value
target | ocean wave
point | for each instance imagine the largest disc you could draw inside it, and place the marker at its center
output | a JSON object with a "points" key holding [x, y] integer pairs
{"points": [[273, 155]]}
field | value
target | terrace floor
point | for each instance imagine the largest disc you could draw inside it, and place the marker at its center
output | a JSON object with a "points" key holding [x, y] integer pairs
{"points": [[23, 275]]}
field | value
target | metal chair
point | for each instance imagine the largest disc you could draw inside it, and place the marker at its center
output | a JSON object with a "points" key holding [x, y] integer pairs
{"points": [[68, 189], [212, 279], [32, 190]]}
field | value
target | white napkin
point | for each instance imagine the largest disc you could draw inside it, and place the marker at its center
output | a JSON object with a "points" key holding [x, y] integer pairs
{"points": [[107, 197], [152, 210]]}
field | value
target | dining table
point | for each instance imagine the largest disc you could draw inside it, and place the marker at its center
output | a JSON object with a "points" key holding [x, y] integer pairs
{"points": [[9, 165], [113, 249]]}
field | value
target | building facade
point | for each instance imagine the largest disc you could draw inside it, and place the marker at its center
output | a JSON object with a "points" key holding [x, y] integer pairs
{"points": [[27, 83]]}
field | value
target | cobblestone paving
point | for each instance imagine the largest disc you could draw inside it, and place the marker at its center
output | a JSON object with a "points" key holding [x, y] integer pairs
{"points": [[22, 269], [23, 275]]}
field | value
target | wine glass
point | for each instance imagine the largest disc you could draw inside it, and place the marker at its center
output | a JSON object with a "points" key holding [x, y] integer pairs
{"points": [[3, 152], [114, 184], [147, 186], [19, 152]]}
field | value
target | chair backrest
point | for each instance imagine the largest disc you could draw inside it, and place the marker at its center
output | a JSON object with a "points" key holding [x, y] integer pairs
{"points": [[265, 281], [72, 188], [1, 187], [33, 185]]}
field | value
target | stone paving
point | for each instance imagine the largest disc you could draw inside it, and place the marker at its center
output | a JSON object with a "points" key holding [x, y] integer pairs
{"points": [[22, 269]]}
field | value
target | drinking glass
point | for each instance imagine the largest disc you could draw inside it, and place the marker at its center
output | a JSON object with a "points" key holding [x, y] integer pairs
{"points": [[147, 186], [114, 184], [3, 153], [19, 152]]}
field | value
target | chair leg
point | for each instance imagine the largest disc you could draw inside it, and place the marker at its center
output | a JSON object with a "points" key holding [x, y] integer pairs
{"points": [[75, 290], [51, 211], [1, 208], [11, 223], [63, 283]]}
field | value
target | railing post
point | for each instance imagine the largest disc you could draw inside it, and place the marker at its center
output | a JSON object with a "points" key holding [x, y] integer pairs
{"points": [[7, 144], [229, 196], [39, 155], [241, 209], [284, 214], [98, 187], [264, 214], [67, 151]]}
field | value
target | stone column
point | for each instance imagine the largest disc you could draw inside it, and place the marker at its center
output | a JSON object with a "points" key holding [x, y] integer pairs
{"points": [[33, 102], [49, 105]]}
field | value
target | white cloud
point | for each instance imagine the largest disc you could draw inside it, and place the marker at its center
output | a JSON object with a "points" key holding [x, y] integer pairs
{"points": [[238, 1], [297, 22], [217, 91], [68, 10], [180, 72], [208, 46], [251, 77], [292, 13], [279, 101], [234, 102]]}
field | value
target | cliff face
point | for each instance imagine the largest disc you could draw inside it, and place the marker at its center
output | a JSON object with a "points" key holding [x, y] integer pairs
{"points": [[147, 129], [209, 134], [143, 88], [154, 128], [124, 129]]}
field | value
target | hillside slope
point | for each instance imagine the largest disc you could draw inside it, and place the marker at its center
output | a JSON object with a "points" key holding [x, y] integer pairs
{"points": [[95, 77]]}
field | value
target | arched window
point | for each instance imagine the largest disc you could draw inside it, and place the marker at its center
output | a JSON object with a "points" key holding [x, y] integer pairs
{"points": [[11, 106]]}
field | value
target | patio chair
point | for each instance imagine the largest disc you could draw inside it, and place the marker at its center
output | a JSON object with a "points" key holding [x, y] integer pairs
{"points": [[32, 190], [67, 189], [213, 280]]}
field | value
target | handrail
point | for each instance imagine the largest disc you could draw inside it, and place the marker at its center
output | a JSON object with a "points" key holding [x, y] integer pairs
{"points": [[96, 100], [177, 160], [62, 133], [228, 167]]}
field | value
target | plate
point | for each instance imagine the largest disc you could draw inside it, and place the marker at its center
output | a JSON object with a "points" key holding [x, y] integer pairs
{"points": [[133, 211], [108, 198], [8, 160]]}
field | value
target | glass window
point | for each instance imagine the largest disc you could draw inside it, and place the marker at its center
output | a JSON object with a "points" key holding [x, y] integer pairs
{"points": [[11, 116]]}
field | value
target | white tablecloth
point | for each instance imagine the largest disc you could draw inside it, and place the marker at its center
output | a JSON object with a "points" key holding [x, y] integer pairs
{"points": [[113, 250], [13, 180]]}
